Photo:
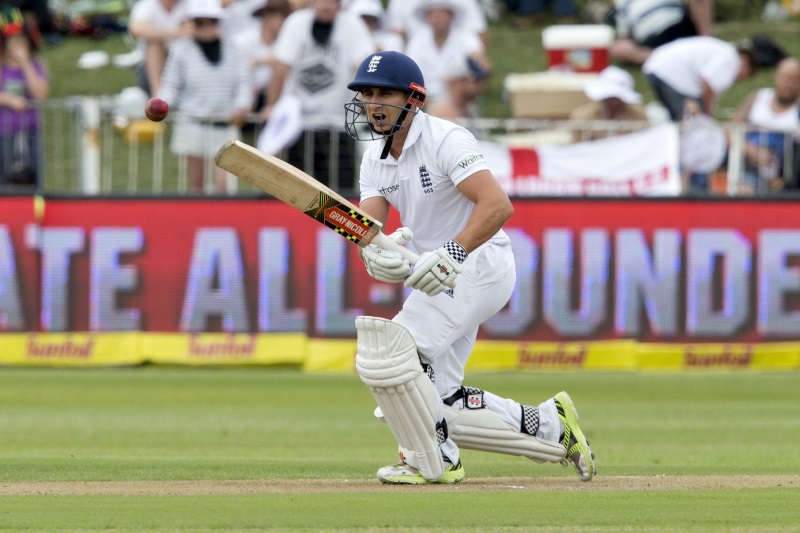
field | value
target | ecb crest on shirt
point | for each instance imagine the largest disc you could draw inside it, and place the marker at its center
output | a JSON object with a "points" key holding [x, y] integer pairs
{"points": [[425, 180]]}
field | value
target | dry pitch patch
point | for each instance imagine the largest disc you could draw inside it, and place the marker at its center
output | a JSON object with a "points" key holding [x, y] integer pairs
{"points": [[324, 486]]}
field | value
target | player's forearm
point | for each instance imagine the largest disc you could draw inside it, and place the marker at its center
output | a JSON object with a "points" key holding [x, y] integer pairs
{"points": [[378, 208], [487, 219]]}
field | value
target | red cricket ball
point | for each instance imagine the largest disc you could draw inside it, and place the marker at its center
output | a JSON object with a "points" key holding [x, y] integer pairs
{"points": [[156, 109]]}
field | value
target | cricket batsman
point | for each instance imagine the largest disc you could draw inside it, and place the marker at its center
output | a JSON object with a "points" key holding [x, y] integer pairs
{"points": [[433, 173]]}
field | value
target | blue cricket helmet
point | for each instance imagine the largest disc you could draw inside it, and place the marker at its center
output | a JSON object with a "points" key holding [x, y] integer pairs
{"points": [[389, 69]]}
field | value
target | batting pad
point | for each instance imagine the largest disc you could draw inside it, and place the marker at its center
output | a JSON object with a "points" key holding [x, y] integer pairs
{"points": [[388, 364], [481, 429]]}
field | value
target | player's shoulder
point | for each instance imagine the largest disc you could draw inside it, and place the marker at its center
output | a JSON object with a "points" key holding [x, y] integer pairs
{"points": [[438, 130]]}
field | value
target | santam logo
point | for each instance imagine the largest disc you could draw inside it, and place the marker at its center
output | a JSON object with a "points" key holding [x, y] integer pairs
{"points": [[67, 348], [558, 357], [229, 347], [724, 359]]}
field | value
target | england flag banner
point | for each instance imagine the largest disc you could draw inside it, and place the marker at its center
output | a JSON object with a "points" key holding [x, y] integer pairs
{"points": [[644, 163]]}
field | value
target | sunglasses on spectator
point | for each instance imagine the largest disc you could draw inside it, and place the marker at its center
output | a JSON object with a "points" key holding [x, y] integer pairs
{"points": [[206, 22]]}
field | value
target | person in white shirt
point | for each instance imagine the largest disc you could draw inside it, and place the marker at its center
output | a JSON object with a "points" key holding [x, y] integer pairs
{"points": [[775, 108], [688, 75], [155, 24], [403, 19], [316, 53], [256, 45], [439, 45], [206, 86], [433, 173]]}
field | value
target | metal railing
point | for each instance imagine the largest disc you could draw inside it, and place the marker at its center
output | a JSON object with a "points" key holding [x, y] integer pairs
{"points": [[86, 149]]}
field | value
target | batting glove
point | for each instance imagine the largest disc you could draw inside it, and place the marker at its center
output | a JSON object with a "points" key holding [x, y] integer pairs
{"points": [[436, 271], [388, 265]]}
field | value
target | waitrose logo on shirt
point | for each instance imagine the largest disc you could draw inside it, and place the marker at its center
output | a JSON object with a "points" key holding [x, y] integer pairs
{"points": [[470, 160]]}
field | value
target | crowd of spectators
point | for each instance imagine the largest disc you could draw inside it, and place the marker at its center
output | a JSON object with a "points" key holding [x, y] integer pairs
{"points": [[219, 61]]}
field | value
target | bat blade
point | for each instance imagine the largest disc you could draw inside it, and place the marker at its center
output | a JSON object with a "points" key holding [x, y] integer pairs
{"points": [[296, 188]]}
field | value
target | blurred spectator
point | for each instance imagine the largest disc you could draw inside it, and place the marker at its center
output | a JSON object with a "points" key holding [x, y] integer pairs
{"points": [[317, 52], [156, 24], [238, 16], [689, 74], [403, 18], [775, 108], [613, 98], [463, 85], [257, 46], [374, 16], [23, 83], [439, 45], [643, 25], [530, 13], [206, 85]]}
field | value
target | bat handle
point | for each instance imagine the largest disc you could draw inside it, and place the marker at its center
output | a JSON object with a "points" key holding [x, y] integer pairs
{"points": [[388, 244]]}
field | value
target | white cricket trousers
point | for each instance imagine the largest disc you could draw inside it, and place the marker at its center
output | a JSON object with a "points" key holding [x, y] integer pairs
{"points": [[445, 327]]}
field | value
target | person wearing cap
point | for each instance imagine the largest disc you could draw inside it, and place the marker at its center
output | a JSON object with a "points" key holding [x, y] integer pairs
{"points": [[432, 171], [207, 87], [374, 16], [439, 45], [23, 84], [613, 98], [464, 83], [256, 45], [155, 24]]}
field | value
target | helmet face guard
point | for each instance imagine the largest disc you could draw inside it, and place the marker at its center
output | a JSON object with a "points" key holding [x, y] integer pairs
{"points": [[358, 125]]}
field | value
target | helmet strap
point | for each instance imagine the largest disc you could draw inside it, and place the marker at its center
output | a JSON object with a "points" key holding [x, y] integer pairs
{"points": [[415, 100]]}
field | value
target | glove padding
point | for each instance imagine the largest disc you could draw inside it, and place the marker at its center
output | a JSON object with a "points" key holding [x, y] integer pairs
{"points": [[434, 272], [388, 265]]}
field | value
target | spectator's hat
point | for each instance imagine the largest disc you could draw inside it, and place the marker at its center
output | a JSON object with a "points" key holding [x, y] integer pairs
{"points": [[366, 8], [280, 7], [205, 9], [613, 82], [427, 5]]}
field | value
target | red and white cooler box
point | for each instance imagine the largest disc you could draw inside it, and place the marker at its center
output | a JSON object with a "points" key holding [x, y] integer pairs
{"points": [[577, 47]]}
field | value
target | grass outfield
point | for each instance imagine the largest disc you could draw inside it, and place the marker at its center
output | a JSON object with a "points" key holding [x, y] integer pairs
{"points": [[172, 449]]}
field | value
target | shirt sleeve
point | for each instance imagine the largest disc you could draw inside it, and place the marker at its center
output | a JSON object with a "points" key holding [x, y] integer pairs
{"points": [[366, 182], [462, 155]]}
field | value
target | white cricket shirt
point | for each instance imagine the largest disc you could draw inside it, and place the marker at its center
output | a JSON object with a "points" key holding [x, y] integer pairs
{"points": [[421, 185], [684, 63]]}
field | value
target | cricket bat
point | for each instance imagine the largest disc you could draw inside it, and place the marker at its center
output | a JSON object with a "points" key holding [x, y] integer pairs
{"points": [[296, 188]]}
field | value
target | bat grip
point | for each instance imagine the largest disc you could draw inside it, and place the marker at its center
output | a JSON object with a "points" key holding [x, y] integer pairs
{"points": [[388, 244]]}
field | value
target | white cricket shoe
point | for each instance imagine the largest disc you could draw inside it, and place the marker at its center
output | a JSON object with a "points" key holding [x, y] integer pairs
{"points": [[402, 474]]}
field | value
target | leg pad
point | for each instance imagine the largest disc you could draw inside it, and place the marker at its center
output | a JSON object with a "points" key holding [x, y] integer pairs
{"points": [[388, 364]]}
